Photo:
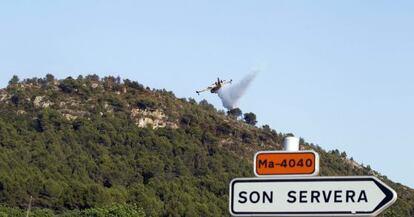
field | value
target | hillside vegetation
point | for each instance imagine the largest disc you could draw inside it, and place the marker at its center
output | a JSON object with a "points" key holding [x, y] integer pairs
{"points": [[106, 147]]}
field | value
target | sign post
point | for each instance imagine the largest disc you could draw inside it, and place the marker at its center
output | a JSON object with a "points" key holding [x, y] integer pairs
{"points": [[310, 196], [284, 163]]}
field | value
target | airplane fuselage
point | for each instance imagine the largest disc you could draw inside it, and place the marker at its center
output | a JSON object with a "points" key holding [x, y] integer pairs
{"points": [[215, 89]]}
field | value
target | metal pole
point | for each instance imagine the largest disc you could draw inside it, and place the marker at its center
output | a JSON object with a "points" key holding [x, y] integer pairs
{"points": [[29, 207]]}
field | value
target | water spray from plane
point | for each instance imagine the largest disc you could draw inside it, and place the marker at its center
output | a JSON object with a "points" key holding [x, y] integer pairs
{"points": [[229, 93]]}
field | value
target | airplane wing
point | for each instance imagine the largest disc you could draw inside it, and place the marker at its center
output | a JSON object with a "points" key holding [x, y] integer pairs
{"points": [[227, 82], [207, 89]]}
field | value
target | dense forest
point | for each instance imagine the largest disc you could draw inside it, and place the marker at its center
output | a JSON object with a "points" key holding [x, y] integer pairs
{"points": [[91, 146]]}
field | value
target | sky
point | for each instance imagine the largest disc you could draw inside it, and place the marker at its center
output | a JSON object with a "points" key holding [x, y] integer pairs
{"points": [[337, 73]]}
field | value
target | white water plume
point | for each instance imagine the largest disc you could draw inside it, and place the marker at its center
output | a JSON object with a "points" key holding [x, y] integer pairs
{"points": [[230, 95]]}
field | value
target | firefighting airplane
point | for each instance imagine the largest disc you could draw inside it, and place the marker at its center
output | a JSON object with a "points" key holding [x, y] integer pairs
{"points": [[214, 88]]}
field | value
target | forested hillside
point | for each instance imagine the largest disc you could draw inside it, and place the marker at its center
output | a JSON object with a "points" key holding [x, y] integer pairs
{"points": [[91, 146]]}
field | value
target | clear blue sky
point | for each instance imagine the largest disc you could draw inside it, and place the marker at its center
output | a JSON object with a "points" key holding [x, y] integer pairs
{"points": [[338, 73]]}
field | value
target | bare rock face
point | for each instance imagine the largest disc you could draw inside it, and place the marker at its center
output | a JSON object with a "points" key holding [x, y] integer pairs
{"points": [[94, 85], [70, 117], [40, 102], [4, 97], [37, 101], [21, 112], [153, 119]]}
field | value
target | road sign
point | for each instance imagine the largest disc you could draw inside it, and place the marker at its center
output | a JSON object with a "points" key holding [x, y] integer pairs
{"points": [[310, 196], [283, 163]]}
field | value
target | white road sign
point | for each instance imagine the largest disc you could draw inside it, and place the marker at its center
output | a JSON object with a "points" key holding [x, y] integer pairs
{"points": [[310, 196]]}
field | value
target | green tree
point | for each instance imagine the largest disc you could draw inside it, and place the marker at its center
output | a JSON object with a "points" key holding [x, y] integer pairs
{"points": [[250, 118], [14, 80], [235, 113], [49, 78], [69, 85]]}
